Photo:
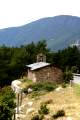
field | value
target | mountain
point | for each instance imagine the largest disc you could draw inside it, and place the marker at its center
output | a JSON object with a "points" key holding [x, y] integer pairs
{"points": [[59, 32]]}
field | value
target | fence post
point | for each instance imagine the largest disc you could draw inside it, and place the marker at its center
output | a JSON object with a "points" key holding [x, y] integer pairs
{"points": [[17, 102], [71, 83], [21, 97]]}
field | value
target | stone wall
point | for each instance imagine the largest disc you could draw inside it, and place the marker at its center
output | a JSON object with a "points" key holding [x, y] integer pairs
{"points": [[31, 75], [49, 73]]}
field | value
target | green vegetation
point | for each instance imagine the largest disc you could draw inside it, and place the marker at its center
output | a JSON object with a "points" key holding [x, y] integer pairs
{"points": [[67, 76], [41, 112], [74, 69], [40, 88], [7, 104], [12, 66], [13, 60], [43, 109], [60, 113], [36, 94], [37, 117], [64, 85], [77, 89], [46, 86], [58, 33]]}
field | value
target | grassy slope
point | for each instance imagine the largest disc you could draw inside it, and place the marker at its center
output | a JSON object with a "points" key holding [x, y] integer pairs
{"points": [[67, 99]]}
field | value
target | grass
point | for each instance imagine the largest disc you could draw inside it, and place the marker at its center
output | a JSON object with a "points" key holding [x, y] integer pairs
{"points": [[26, 82], [45, 86], [67, 99], [59, 113], [36, 94], [39, 89], [77, 89]]}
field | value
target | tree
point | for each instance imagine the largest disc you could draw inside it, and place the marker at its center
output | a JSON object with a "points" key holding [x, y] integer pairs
{"points": [[5, 58], [67, 76], [67, 57], [7, 104], [41, 47]]}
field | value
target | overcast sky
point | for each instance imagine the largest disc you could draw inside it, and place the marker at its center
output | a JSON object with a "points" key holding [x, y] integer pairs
{"points": [[20, 12]]}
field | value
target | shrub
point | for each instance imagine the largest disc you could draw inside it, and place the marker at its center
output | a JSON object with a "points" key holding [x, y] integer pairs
{"points": [[37, 117], [64, 85], [35, 94], [25, 90], [43, 86], [59, 113], [7, 103], [68, 76], [74, 69], [38, 87], [43, 109], [48, 86], [48, 101]]}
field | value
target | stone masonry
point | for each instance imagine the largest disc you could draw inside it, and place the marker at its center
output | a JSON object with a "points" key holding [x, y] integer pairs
{"points": [[47, 74]]}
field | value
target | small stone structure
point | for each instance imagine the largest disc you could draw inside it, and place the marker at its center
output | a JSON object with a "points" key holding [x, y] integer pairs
{"points": [[44, 72], [41, 57]]}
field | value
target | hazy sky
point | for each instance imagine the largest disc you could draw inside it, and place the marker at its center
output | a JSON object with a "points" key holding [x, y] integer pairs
{"points": [[20, 12]]}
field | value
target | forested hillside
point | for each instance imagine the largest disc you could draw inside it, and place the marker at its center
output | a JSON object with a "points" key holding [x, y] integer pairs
{"points": [[13, 63], [58, 31], [14, 60]]}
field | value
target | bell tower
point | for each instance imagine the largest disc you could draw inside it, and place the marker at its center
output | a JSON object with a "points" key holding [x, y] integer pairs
{"points": [[41, 57]]}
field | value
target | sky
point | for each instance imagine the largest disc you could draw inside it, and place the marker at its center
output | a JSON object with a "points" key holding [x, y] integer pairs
{"points": [[20, 12]]}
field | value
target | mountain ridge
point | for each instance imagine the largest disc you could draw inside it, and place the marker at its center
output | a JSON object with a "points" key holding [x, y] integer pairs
{"points": [[59, 32]]}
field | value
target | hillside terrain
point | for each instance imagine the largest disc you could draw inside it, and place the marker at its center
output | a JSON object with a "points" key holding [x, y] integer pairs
{"points": [[66, 99], [58, 31]]}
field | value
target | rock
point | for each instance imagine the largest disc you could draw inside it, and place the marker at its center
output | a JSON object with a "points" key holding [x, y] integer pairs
{"points": [[29, 90], [30, 110], [30, 104], [69, 118], [59, 88], [20, 116], [15, 86], [48, 118]]}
